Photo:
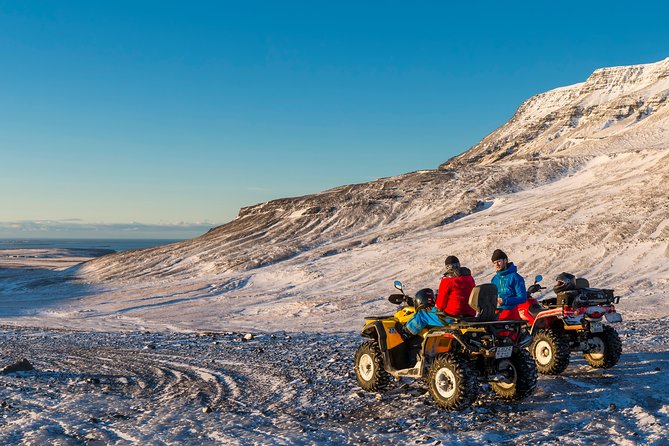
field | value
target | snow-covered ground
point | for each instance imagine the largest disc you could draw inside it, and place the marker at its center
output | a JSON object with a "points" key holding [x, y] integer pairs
{"points": [[193, 383], [142, 387]]}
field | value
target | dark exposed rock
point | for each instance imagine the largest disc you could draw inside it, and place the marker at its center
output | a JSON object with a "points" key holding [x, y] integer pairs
{"points": [[21, 366]]}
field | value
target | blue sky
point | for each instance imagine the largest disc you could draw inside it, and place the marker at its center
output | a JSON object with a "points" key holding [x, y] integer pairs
{"points": [[176, 114]]}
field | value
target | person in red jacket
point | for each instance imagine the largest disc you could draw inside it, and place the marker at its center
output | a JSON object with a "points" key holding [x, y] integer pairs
{"points": [[454, 289]]}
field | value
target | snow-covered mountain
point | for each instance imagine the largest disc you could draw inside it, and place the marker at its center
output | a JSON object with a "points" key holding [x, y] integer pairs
{"points": [[576, 180], [615, 109]]}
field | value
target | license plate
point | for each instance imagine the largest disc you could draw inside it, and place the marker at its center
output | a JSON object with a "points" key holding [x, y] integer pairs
{"points": [[503, 352], [596, 327], [613, 317]]}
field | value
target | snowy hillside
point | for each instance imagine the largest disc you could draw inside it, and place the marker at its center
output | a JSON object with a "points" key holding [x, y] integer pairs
{"points": [[592, 200], [588, 195]]}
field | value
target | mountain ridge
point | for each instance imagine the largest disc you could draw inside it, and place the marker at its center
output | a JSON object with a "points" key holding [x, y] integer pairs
{"points": [[361, 214], [604, 106]]}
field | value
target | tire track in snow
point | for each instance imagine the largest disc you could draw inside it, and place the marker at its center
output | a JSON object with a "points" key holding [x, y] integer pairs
{"points": [[151, 388]]}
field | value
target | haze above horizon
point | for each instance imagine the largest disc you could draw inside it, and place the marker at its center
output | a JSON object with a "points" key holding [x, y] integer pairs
{"points": [[176, 115]]}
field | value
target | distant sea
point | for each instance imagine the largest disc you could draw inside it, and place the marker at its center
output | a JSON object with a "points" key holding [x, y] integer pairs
{"points": [[115, 244]]}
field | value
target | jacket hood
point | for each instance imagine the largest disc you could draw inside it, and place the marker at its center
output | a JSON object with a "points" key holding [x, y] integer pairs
{"points": [[457, 272]]}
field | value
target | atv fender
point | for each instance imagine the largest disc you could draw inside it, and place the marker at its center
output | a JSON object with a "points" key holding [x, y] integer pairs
{"points": [[547, 320], [376, 331], [443, 338], [435, 345], [385, 333], [387, 337]]}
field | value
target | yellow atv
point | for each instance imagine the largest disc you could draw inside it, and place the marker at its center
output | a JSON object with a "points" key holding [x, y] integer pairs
{"points": [[453, 359]]}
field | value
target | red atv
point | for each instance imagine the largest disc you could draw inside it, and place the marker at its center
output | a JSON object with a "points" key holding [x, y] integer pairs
{"points": [[572, 321]]}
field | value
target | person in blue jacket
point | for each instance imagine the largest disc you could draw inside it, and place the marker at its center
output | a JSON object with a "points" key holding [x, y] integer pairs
{"points": [[426, 313], [510, 287]]}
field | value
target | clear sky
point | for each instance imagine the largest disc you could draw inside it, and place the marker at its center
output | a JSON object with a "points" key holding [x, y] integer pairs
{"points": [[173, 115]]}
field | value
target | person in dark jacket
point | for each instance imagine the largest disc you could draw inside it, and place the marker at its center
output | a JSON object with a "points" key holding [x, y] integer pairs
{"points": [[510, 286], [454, 289]]}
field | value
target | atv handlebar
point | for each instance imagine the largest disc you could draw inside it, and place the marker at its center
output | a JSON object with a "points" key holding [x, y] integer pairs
{"points": [[535, 288]]}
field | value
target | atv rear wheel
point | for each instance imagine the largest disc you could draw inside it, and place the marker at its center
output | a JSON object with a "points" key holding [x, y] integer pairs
{"points": [[550, 351], [607, 351], [453, 382], [521, 373], [369, 371]]}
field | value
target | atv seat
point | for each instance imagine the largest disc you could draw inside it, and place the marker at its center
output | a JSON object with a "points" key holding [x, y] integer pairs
{"points": [[535, 309], [582, 282], [483, 299]]}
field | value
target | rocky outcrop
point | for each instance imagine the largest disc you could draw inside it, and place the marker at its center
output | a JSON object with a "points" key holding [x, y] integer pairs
{"points": [[20, 366]]}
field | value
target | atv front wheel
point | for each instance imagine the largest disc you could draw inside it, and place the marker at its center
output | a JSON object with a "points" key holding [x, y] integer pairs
{"points": [[369, 369], [453, 382], [521, 373], [607, 349], [550, 352]]}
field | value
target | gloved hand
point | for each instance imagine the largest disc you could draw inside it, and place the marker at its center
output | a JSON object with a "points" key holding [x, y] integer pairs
{"points": [[402, 332]]}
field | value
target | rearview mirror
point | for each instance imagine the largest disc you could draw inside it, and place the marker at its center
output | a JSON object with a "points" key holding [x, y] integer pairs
{"points": [[539, 278], [398, 285]]}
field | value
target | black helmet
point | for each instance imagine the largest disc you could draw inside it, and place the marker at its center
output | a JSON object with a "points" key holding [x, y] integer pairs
{"points": [[424, 298], [564, 282]]}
